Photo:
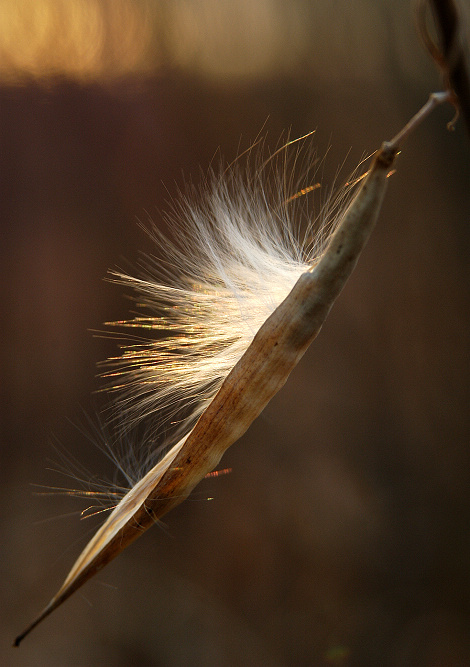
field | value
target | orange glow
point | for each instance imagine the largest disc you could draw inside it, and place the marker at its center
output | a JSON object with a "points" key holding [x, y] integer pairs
{"points": [[80, 39], [101, 40], [218, 473]]}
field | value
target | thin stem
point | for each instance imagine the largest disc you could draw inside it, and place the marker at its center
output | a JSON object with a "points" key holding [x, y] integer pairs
{"points": [[435, 99]]}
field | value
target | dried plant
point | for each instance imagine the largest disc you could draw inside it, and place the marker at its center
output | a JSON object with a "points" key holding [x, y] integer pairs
{"points": [[251, 297], [449, 53]]}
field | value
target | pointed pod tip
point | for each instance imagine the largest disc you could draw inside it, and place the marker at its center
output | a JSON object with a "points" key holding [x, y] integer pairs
{"points": [[45, 612], [20, 637]]}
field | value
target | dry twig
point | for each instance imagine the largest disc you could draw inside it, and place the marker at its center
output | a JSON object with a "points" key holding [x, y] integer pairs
{"points": [[450, 53]]}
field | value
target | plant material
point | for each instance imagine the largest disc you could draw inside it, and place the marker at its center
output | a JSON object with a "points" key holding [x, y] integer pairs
{"points": [[449, 53], [239, 362]]}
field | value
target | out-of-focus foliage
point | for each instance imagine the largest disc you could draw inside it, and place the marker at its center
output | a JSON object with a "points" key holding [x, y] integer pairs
{"points": [[101, 40]]}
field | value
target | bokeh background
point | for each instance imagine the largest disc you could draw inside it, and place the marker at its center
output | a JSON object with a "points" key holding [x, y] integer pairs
{"points": [[341, 537]]}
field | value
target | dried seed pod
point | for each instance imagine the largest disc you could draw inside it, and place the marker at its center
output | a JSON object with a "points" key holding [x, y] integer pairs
{"points": [[258, 375]]}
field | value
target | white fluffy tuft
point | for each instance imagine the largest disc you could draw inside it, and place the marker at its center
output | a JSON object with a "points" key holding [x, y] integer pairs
{"points": [[238, 252]]}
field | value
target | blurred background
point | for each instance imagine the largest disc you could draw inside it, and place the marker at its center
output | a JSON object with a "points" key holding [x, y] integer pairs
{"points": [[341, 536]]}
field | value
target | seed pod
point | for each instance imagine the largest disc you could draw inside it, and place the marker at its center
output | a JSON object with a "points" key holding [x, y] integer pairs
{"points": [[258, 375]]}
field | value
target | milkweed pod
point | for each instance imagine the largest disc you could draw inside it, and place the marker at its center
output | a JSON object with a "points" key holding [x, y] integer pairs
{"points": [[261, 371]]}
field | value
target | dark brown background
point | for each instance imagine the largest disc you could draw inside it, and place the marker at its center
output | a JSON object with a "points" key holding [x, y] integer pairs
{"points": [[342, 535]]}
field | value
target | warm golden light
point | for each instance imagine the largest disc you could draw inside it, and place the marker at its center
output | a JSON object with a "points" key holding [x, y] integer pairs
{"points": [[79, 39], [106, 39]]}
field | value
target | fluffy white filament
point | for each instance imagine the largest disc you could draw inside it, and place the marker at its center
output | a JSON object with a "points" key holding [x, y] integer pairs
{"points": [[241, 245]]}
